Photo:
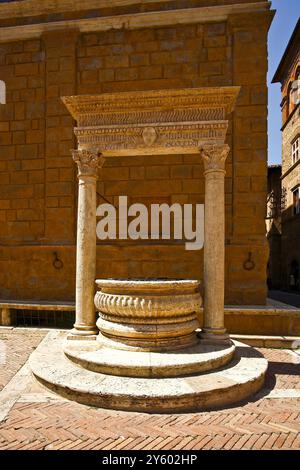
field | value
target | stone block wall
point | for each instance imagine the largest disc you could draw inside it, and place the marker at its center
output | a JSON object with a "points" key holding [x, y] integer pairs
{"points": [[38, 186]]}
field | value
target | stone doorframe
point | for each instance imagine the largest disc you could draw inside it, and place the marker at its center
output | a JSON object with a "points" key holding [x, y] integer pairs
{"points": [[163, 122]]}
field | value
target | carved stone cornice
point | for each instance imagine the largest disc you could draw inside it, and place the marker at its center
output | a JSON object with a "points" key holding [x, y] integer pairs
{"points": [[152, 122], [29, 8], [214, 157], [88, 162], [182, 105], [21, 29]]}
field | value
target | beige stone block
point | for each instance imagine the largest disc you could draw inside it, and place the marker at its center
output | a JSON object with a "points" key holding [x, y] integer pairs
{"points": [[36, 164], [147, 46], [181, 171], [117, 61], [157, 172], [127, 74], [148, 73], [137, 60]]}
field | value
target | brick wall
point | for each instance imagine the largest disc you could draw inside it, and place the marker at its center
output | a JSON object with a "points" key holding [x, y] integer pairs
{"points": [[37, 176]]}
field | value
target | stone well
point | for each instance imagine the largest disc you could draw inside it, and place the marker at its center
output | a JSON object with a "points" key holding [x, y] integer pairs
{"points": [[148, 355], [148, 315], [148, 329]]}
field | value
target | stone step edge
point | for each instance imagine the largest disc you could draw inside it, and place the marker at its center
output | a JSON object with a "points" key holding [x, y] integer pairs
{"points": [[273, 342], [231, 385]]}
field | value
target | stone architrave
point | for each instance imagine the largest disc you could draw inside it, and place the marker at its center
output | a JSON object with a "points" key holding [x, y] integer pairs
{"points": [[88, 162]]}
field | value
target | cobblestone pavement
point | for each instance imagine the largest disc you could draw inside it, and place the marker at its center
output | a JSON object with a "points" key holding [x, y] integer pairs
{"points": [[31, 417]]}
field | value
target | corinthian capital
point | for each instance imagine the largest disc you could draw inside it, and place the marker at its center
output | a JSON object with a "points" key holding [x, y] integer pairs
{"points": [[214, 156], [88, 161]]}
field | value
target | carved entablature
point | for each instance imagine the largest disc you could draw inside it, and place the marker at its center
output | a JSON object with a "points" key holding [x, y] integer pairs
{"points": [[152, 122], [88, 162]]}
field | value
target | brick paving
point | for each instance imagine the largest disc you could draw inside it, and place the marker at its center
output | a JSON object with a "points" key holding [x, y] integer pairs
{"points": [[16, 345], [42, 420]]}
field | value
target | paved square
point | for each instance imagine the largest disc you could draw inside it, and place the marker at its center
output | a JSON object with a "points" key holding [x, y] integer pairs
{"points": [[31, 417]]}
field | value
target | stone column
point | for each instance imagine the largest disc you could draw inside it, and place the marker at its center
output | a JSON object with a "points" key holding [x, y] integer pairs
{"points": [[88, 163], [214, 157]]}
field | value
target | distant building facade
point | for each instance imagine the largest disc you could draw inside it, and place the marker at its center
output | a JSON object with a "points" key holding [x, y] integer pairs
{"points": [[288, 74]]}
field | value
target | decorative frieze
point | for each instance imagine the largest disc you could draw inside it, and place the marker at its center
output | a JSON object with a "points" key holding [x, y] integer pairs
{"points": [[158, 139]]}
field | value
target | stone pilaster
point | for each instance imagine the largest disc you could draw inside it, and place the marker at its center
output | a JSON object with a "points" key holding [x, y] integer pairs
{"points": [[60, 49], [88, 163], [214, 158]]}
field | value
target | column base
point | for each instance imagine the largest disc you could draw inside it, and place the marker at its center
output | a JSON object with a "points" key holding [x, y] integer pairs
{"points": [[83, 333], [214, 336]]}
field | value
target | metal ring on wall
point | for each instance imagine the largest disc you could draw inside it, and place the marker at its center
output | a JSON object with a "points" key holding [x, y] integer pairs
{"points": [[249, 263], [57, 263]]}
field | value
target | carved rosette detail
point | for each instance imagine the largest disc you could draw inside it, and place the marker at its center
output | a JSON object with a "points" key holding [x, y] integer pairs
{"points": [[88, 162], [214, 157]]}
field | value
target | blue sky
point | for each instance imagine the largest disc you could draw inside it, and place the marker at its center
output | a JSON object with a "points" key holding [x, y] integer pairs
{"points": [[288, 12]]}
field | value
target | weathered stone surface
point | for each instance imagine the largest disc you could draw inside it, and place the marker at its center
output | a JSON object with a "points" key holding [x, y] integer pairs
{"points": [[173, 363]]}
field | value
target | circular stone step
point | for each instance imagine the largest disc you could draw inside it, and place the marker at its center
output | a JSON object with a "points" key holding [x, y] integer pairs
{"points": [[195, 359], [243, 377]]}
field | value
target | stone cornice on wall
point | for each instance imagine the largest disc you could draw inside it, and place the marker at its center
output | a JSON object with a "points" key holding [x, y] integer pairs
{"points": [[127, 21], [27, 8]]}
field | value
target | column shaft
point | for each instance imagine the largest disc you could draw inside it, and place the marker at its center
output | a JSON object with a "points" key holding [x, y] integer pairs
{"points": [[214, 248], [88, 164], [86, 256]]}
